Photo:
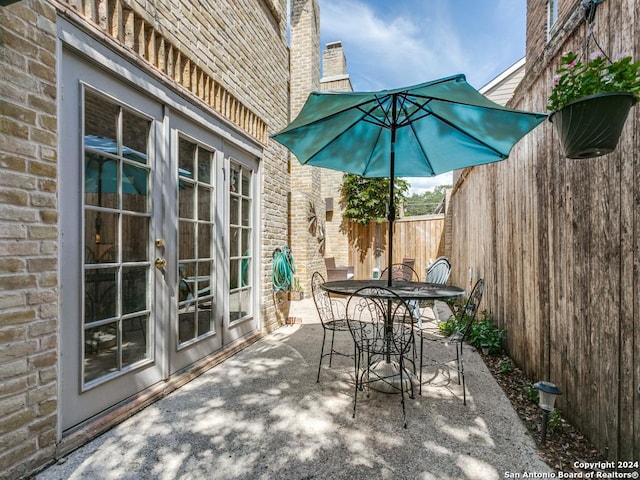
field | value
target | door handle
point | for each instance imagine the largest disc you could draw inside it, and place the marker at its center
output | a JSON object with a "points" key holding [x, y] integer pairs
{"points": [[160, 263]]}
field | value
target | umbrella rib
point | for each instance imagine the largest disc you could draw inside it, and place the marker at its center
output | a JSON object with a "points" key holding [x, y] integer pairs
{"points": [[370, 118], [359, 107], [473, 137], [415, 134], [452, 125]]}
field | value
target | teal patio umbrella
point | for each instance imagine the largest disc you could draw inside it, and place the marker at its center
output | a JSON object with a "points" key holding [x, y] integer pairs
{"points": [[422, 130]]}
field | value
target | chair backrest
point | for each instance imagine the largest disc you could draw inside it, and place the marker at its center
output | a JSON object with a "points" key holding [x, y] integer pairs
{"points": [[470, 309], [328, 308], [330, 262], [370, 313], [439, 271], [409, 262], [400, 271]]}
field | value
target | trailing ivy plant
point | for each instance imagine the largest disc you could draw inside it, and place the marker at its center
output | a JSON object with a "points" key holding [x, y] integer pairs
{"points": [[366, 199]]}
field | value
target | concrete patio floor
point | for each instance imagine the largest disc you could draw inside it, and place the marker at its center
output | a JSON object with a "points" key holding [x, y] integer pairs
{"points": [[261, 415]]}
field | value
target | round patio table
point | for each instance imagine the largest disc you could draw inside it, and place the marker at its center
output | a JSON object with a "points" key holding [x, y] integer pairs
{"points": [[407, 290]]}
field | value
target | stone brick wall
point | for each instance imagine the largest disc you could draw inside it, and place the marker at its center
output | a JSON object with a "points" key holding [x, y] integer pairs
{"points": [[306, 196], [335, 79], [28, 237], [236, 62]]}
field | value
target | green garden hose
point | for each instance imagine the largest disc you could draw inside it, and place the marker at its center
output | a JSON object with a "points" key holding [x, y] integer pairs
{"points": [[283, 269]]}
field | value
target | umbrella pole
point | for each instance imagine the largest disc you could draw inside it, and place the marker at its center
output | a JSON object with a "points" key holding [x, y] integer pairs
{"points": [[392, 203]]}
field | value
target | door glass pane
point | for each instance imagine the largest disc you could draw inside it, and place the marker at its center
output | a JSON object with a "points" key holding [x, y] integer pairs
{"points": [[186, 322], [205, 158], [246, 238], [101, 237], [134, 339], [204, 240], [195, 241], [234, 241], [100, 351], [246, 183], [100, 294], [135, 237], [234, 216], [204, 203], [240, 241], [234, 274], [186, 158], [134, 293], [100, 180], [100, 122], [185, 199], [135, 188], [246, 212], [135, 137], [114, 187]]}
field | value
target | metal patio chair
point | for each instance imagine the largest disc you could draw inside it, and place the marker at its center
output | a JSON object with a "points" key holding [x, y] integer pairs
{"points": [[381, 324], [332, 317], [465, 319]]}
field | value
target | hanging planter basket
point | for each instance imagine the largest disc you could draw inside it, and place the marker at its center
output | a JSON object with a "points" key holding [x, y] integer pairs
{"points": [[591, 126]]}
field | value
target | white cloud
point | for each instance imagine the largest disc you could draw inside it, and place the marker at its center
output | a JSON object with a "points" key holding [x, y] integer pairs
{"points": [[390, 52], [390, 44], [422, 184]]}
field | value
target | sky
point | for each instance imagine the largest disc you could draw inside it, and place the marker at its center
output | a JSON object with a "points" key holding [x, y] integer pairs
{"points": [[396, 43]]}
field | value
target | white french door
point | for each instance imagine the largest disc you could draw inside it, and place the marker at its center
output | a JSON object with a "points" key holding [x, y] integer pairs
{"points": [[157, 244], [109, 348]]}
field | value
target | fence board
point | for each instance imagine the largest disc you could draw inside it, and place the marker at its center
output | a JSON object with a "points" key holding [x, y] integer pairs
{"points": [[413, 237]]}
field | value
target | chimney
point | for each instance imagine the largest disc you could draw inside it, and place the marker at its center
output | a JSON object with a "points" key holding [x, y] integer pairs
{"points": [[334, 62]]}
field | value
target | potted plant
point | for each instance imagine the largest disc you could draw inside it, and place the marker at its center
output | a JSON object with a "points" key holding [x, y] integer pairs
{"points": [[590, 102]]}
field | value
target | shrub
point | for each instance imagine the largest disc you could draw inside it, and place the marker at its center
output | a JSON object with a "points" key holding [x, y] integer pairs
{"points": [[505, 365], [485, 334], [532, 393]]}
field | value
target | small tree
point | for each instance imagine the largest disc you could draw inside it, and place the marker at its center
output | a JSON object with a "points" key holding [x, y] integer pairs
{"points": [[367, 199], [425, 203]]}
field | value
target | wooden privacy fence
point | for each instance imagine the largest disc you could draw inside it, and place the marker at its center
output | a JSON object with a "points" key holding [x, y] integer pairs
{"points": [[558, 243], [420, 238]]}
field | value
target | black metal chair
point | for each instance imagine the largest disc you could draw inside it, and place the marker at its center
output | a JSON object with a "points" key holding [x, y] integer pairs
{"points": [[465, 319], [381, 324], [437, 272], [400, 271], [332, 317]]}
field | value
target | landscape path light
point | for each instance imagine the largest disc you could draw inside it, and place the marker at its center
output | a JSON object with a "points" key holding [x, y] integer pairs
{"points": [[547, 392]]}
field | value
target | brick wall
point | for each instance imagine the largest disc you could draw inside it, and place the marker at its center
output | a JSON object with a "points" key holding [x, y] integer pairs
{"points": [[305, 181], [28, 237], [235, 62], [335, 79]]}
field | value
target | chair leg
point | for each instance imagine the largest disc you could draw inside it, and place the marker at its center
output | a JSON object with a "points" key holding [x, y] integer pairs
{"points": [[458, 347], [404, 412], [358, 381], [464, 389], [324, 334], [333, 336], [420, 374]]}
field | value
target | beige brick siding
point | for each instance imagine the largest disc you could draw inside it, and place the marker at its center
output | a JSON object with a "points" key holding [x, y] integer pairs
{"points": [[306, 194], [229, 56], [335, 79], [28, 237]]}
